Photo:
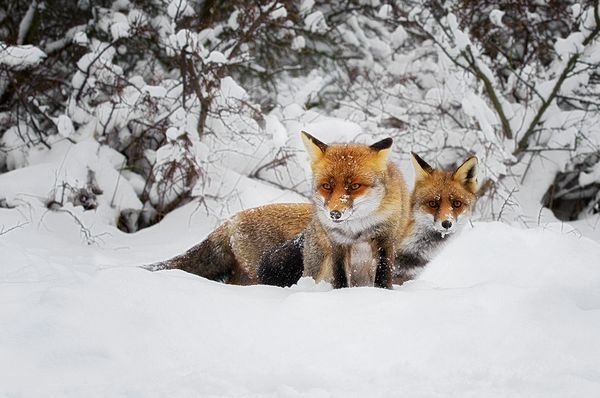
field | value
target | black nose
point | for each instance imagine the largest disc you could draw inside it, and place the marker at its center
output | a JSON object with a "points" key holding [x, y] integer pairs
{"points": [[335, 215], [446, 224]]}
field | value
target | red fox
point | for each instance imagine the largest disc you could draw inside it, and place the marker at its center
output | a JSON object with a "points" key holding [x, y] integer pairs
{"points": [[440, 200], [361, 213]]}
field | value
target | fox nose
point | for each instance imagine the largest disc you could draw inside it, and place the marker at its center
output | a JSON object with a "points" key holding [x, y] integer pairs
{"points": [[335, 215], [447, 224]]}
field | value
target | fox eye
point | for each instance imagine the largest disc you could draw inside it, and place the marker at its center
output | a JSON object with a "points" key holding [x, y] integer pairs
{"points": [[354, 186], [433, 204], [326, 186], [456, 204]]}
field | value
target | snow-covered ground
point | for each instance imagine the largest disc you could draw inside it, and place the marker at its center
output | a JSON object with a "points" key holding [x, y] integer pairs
{"points": [[502, 311]]}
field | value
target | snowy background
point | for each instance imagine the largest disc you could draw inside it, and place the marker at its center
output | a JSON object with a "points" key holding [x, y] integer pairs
{"points": [[130, 129]]}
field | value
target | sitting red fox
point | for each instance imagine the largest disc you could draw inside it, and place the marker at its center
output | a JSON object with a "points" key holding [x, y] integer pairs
{"points": [[439, 202]]}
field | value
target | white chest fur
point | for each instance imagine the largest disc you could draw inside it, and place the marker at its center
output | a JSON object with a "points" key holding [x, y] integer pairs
{"points": [[362, 265]]}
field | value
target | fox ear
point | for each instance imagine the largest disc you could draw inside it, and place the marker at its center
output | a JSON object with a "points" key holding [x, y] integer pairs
{"points": [[386, 143], [466, 174], [315, 148], [383, 148], [422, 168]]}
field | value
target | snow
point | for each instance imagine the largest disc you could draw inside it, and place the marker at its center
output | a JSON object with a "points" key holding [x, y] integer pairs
{"points": [[461, 39], [230, 89], [569, 46], [306, 6], [120, 26], [474, 106], [232, 22], [81, 38], [590, 176], [501, 311], [496, 18], [298, 43], [399, 36], [279, 12], [315, 22], [26, 21], [65, 126], [155, 91], [216, 57], [176, 8], [20, 57], [386, 11], [57, 172]]}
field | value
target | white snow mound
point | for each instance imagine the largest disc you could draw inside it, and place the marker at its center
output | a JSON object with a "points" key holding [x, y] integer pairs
{"points": [[500, 312]]}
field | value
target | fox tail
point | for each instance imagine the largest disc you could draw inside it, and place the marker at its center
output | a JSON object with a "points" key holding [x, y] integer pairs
{"points": [[212, 258]]}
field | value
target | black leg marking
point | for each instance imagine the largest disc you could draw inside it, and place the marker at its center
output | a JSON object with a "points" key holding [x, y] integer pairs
{"points": [[383, 273], [282, 266], [339, 269]]}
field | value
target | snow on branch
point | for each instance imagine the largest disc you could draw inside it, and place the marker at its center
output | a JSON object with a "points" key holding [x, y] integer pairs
{"points": [[569, 67], [20, 57]]}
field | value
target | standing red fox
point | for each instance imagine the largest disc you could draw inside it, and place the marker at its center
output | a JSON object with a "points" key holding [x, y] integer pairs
{"points": [[361, 213]]}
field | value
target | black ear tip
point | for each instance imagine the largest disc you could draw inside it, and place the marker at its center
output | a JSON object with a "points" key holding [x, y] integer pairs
{"points": [[383, 144], [471, 173], [322, 146], [422, 163]]}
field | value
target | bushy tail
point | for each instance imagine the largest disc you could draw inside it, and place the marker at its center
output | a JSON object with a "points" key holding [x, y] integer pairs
{"points": [[212, 259], [284, 265]]}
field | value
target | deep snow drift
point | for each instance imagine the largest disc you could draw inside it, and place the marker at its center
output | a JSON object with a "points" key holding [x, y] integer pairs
{"points": [[501, 311]]}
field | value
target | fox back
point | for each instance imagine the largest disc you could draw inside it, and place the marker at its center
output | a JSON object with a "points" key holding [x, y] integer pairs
{"points": [[232, 252]]}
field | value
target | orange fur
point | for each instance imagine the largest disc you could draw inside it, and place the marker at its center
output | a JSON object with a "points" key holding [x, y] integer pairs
{"points": [[361, 213], [233, 251]]}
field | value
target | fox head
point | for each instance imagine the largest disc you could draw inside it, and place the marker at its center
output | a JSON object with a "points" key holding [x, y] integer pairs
{"points": [[441, 197], [348, 178]]}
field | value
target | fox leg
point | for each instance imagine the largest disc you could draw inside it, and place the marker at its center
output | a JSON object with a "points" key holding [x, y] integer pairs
{"points": [[384, 249], [340, 265]]}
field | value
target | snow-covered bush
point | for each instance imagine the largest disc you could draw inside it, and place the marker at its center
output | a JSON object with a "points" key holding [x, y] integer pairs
{"points": [[184, 91]]}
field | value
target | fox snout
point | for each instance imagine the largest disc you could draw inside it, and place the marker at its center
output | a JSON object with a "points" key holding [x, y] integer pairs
{"points": [[337, 213], [338, 207], [446, 225]]}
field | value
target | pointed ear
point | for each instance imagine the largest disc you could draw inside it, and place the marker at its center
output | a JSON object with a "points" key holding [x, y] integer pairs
{"points": [[422, 168], [383, 148], [386, 143], [315, 148], [466, 174]]}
